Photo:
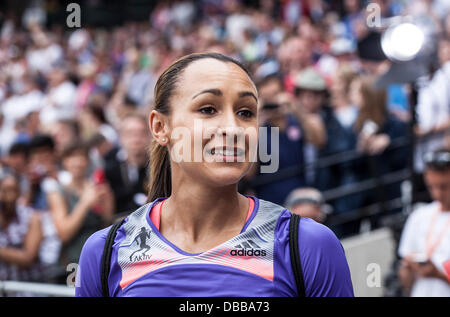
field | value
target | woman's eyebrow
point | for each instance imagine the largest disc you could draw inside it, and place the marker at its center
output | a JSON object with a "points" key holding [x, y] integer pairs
{"points": [[213, 91], [218, 92], [247, 94]]}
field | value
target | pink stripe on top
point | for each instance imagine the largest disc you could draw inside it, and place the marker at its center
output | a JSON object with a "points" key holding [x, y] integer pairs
{"points": [[155, 213]]}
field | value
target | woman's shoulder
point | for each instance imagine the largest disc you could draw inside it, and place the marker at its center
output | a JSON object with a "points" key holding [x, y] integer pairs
{"points": [[322, 257], [89, 270], [310, 231], [96, 241]]}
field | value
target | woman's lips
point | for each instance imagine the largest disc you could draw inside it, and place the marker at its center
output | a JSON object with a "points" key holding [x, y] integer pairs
{"points": [[227, 153]]}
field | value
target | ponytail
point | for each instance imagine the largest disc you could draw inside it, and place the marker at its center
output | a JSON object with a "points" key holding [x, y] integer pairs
{"points": [[160, 184]]}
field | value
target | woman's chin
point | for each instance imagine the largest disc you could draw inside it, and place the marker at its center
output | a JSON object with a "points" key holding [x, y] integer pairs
{"points": [[226, 175]]}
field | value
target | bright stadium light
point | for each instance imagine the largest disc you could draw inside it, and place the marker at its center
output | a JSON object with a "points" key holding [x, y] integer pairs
{"points": [[402, 42]]}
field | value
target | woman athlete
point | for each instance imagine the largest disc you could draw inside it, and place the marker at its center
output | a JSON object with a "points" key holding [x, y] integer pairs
{"points": [[197, 236]]}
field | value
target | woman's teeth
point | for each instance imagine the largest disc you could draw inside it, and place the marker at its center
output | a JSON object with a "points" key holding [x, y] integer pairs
{"points": [[226, 152]]}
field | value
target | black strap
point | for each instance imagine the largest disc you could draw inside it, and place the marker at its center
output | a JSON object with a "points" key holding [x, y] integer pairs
{"points": [[295, 254], [106, 257]]}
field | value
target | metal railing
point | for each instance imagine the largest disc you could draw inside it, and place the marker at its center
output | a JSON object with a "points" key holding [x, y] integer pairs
{"points": [[35, 289]]}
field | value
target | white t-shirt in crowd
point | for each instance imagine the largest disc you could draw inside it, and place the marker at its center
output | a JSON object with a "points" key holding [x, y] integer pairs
{"points": [[433, 109], [7, 136], [413, 241], [59, 104], [43, 59], [18, 106], [51, 243]]}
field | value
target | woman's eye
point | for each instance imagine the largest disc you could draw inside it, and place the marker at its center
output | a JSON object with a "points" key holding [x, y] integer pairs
{"points": [[246, 113], [207, 110]]}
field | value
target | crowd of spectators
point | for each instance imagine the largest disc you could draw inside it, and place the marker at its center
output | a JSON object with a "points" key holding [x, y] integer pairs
{"points": [[74, 105]]}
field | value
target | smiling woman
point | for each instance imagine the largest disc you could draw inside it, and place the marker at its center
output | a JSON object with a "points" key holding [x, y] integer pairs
{"points": [[209, 88], [196, 235]]}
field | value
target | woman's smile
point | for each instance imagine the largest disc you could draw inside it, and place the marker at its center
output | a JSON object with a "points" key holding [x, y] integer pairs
{"points": [[227, 154]]}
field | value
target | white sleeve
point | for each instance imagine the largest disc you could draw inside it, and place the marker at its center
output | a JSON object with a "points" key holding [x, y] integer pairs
{"points": [[50, 185], [425, 108], [408, 240]]}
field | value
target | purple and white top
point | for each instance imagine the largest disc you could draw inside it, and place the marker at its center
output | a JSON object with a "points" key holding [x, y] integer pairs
{"points": [[255, 263], [14, 237]]}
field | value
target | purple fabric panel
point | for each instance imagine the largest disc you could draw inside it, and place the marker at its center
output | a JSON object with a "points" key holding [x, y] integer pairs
{"points": [[199, 280], [322, 257], [88, 275]]}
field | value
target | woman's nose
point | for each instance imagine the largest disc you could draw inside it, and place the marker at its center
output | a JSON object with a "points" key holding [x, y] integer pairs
{"points": [[229, 121], [229, 126]]}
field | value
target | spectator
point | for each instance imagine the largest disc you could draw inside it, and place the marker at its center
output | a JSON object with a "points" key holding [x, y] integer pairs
{"points": [[64, 132], [80, 207], [290, 141], [27, 127], [7, 134], [376, 129], [28, 99], [20, 234], [44, 54], [92, 119], [44, 177], [353, 16], [294, 55], [310, 93], [59, 102], [433, 106], [339, 121], [345, 112], [16, 161], [307, 202], [43, 172], [87, 74], [137, 78], [104, 152], [425, 242], [127, 174]]}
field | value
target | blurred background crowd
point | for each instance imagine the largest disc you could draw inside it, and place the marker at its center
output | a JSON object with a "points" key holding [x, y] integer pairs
{"points": [[353, 123]]}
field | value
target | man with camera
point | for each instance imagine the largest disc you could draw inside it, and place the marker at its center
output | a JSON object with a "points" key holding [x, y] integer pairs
{"points": [[294, 130]]}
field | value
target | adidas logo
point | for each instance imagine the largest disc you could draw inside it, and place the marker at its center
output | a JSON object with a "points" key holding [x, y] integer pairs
{"points": [[248, 248]]}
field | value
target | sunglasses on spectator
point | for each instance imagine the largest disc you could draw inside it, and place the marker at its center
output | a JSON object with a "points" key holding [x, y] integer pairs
{"points": [[438, 160]]}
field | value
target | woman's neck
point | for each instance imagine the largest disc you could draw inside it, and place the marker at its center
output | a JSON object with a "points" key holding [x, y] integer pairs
{"points": [[201, 213], [78, 183]]}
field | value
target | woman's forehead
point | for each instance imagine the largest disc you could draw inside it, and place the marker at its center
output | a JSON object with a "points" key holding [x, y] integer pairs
{"points": [[212, 73]]}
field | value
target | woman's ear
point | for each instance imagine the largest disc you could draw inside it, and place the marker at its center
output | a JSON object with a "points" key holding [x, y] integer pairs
{"points": [[159, 127]]}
